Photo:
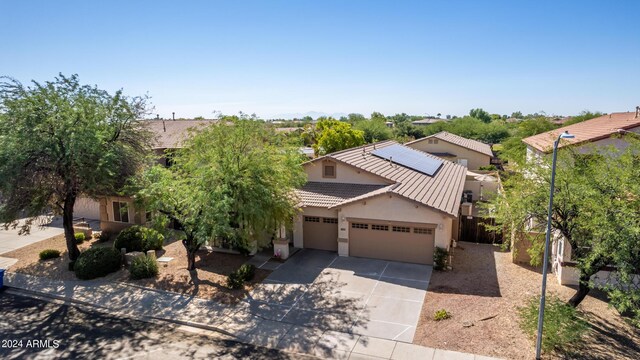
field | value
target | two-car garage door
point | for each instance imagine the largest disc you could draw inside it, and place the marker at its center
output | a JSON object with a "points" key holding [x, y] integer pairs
{"points": [[392, 241]]}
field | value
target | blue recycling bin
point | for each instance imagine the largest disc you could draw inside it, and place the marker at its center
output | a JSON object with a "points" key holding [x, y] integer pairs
{"points": [[1, 278]]}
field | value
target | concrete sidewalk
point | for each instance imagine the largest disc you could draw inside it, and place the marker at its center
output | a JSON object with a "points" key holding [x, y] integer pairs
{"points": [[243, 321], [43, 228]]}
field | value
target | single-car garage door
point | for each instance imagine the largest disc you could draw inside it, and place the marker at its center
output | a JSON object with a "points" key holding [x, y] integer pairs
{"points": [[320, 233], [392, 241]]}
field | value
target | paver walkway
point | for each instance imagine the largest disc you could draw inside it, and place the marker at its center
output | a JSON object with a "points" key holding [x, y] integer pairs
{"points": [[237, 321]]}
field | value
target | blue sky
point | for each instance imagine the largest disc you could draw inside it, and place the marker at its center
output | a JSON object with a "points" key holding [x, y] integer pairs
{"points": [[281, 57]]}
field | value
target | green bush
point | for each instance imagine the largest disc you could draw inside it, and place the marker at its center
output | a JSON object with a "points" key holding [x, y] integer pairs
{"points": [[488, 167], [237, 278], [143, 267], [139, 238], [49, 254], [441, 314], [79, 238], [563, 324], [97, 262], [102, 236], [440, 258]]}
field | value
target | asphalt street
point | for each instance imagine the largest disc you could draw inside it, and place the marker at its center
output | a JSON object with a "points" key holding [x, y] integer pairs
{"points": [[37, 329]]}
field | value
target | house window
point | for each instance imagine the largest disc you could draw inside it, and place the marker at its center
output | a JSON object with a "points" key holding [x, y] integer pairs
{"points": [[435, 141], [430, 141], [329, 220], [403, 229], [311, 219], [359, 226], [329, 170], [424, 231], [380, 227], [120, 211]]}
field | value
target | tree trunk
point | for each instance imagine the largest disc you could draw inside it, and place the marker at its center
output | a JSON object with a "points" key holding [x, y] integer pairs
{"points": [[67, 223], [583, 290], [192, 247]]}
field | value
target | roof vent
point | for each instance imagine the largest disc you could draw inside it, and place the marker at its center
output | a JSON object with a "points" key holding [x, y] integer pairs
{"points": [[637, 111]]}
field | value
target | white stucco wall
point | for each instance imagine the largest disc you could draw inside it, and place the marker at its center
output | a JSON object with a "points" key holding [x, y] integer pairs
{"points": [[344, 174]]}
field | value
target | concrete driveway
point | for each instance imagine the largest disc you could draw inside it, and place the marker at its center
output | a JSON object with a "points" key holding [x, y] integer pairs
{"points": [[369, 297], [41, 229]]}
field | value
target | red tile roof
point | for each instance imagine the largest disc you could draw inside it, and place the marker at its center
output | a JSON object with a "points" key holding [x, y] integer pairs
{"points": [[587, 131], [470, 144], [441, 191]]}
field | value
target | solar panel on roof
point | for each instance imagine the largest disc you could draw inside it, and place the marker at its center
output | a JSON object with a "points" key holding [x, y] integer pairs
{"points": [[413, 159]]}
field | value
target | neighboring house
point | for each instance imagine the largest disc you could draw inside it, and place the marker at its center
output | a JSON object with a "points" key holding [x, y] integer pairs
{"points": [[384, 201], [590, 135], [598, 132], [470, 153], [117, 212], [427, 121]]}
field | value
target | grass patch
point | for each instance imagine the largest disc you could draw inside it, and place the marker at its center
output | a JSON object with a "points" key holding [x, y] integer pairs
{"points": [[441, 314]]}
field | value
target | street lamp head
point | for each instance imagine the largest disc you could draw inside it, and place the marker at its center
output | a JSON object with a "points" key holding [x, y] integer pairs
{"points": [[566, 135]]}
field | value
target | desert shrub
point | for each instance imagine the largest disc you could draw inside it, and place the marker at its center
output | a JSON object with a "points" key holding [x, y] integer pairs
{"points": [[79, 238], [139, 238], [236, 279], [563, 324], [441, 314], [488, 167], [440, 258], [102, 236], [97, 262], [49, 254], [143, 267]]}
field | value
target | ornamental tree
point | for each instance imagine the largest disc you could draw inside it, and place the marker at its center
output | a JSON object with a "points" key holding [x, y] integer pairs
{"points": [[60, 140], [233, 180], [332, 135], [596, 209]]}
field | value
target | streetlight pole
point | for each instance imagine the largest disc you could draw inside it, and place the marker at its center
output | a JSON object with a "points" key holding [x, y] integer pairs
{"points": [[545, 260]]}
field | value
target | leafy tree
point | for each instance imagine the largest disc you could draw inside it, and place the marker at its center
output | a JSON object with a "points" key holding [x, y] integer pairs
{"points": [[233, 181], [480, 114], [354, 118], [333, 135], [513, 149], [377, 115], [61, 140], [596, 209], [374, 130], [584, 116], [516, 114]]}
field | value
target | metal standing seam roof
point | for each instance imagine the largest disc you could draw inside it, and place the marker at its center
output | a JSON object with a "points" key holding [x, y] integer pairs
{"points": [[173, 132], [470, 144], [441, 191], [587, 131]]}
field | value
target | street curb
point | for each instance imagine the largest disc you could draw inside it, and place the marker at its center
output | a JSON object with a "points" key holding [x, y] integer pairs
{"points": [[150, 319]]}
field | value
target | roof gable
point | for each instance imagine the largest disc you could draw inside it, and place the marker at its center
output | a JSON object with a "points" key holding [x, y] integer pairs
{"points": [[587, 131], [454, 139]]}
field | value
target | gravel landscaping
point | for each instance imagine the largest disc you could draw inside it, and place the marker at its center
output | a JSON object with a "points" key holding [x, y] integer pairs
{"points": [[483, 292], [209, 282]]}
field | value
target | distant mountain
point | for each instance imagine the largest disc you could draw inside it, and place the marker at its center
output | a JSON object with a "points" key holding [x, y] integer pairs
{"points": [[313, 114]]}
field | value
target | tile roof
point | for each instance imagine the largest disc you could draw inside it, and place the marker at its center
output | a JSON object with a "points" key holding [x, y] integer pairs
{"points": [[173, 132], [470, 144], [587, 131], [326, 194], [441, 191]]}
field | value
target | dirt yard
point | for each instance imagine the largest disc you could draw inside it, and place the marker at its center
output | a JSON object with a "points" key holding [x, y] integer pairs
{"points": [[208, 282], [485, 283]]}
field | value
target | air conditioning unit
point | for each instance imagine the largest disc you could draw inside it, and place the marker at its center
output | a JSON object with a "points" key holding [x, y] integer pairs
{"points": [[467, 209], [467, 196]]}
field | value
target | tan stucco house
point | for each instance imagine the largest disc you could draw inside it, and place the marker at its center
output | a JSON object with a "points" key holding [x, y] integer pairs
{"points": [[470, 153], [359, 203], [117, 212]]}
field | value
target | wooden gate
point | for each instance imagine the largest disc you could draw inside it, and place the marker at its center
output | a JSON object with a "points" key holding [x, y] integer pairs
{"points": [[472, 229]]}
